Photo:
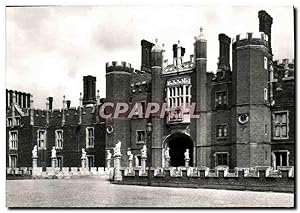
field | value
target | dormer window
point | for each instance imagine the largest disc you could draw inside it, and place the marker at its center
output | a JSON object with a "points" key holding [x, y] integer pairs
{"points": [[9, 122], [18, 121]]}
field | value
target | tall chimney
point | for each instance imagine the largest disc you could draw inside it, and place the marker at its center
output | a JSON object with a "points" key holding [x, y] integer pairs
{"points": [[47, 111], [224, 52], [175, 46], [68, 104], [146, 55], [50, 99], [7, 99], [89, 90], [265, 25], [28, 100], [31, 110], [13, 108]]}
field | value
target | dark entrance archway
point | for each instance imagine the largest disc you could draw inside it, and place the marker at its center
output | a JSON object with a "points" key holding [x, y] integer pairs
{"points": [[178, 143]]}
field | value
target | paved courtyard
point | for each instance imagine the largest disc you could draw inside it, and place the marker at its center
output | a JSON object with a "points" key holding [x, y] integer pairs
{"points": [[97, 192]]}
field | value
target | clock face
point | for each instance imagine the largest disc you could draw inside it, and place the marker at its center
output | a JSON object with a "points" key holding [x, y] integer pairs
{"points": [[109, 129], [243, 118]]}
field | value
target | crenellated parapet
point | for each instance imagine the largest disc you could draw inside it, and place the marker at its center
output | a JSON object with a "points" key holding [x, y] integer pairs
{"points": [[260, 178], [246, 39], [71, 116], [118, 66]]}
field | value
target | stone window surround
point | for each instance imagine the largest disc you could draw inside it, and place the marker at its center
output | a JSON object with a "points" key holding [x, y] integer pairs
{"points": [[45, 139], [62, 139], [136, 136], [217, 98], [182, 99], [10, 119], [10, 160], [287, 125], [216, 155], [17, 136], [274, 157], [87, 137], [9, 122], [222, 137]]}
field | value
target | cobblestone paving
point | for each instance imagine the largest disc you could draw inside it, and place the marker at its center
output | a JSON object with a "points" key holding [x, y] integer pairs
{"points": [[97, 192]]}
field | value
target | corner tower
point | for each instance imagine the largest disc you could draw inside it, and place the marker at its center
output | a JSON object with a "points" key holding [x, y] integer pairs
{"points": [[118, 77], [251, 116]]}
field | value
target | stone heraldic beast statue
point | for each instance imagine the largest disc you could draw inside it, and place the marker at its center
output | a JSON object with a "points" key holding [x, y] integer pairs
{"points": [[108, 155], [117, 149], [144, 152], [130, 155], [53, 152], [34, 152], [83, 154], [186, 155]]}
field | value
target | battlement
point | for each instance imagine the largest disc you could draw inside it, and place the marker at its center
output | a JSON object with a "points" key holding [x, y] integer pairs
{"points": [[251, 38], [55, 116], [118, 66], [285, 62]]}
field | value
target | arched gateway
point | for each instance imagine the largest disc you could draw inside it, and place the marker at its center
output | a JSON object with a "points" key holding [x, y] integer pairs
{"points": [[177, 144]]}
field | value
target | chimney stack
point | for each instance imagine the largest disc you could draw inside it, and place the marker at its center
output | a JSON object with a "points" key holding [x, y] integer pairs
{"points": [[50, 99], [146, 55], [89, 90], [265, 24], [64, 102], [68, 104], [224, 52], [178, 53], [175, 54]]}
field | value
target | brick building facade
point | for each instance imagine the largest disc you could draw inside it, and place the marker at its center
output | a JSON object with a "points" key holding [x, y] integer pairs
{"points": [[247, 109], [68, 130]]}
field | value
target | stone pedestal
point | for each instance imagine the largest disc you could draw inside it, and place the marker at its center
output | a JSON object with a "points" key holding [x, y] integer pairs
{"points": [[83, 162], [53, 162], [108, 161], [130, 164], [187, 162], [143, 164], [117, 165], [34, 162]]}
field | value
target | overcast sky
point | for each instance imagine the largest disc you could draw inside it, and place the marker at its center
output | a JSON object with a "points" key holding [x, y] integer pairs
{"points": [[50, 49]]}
